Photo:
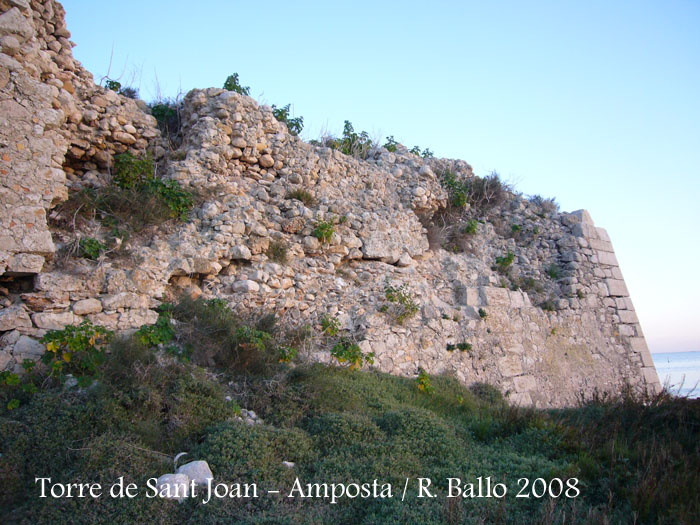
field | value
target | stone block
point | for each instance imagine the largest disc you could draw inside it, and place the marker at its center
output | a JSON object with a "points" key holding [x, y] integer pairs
{"points": [[650, 376], [123, 300], [616, 288], [628, 316], [603, 246], [517, 299], [521, 399], [607, 258], [602, 234], [510, 365], [14, 317], [492, 296], [638, 344], [87, 306], [627, 330], [524, 383], [647, 360], [28, 348], [583, 216], [240, 253], [25, 264], [585, 230], [247, 286], [54, 320]]}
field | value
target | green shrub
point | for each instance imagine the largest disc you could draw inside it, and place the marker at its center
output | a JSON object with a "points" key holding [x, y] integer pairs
{"points": [[302, 196], [426, 153], [78, 350], [423, 381], [351, 143], [136, 199], [125, 210], [504, 262], [458, 190], [323, 231], [339, 430], [481, 194], [482, 313], [16, 389], [90, 248], [462, 347], [548, 305], [128, 92], [330, 326], [177, 200], [546, 205], [348, 352], [554, 271], [403, 305], [159, 333], [277, 251], [287, 353], [130, 171], [295, 125], [113, 85], [213, 335], [390, 144], [167, 115], [232, 84], [471, 227]]}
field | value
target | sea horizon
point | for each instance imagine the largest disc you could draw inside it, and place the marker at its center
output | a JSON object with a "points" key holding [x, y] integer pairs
{"points": [[679, 371]]}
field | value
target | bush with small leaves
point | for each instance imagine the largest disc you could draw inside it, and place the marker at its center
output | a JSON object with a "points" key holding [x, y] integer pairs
{"points": [[287, 353], [178, 200], [78, 350], [548, 305], [323, 231], [546, 205], [423, 381], [277, 251], [294, 125], [90, 248], [402, 304], [130, 171], [302, 196], [462, 347], [390, 144], [426, 153], [116, 86], [471, 227], [351, 143], [232, 84], [348, 352], [482, 313], [14, 390], [167, 115], [504, 262], [159, 333], [554, 271], [330, 326]]}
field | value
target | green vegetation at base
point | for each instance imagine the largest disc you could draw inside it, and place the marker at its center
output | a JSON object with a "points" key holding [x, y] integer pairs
{"points": [[636, 459]]}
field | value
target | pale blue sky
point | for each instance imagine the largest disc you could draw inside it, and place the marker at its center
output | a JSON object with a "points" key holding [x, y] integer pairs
{"points": [[596, 103]]}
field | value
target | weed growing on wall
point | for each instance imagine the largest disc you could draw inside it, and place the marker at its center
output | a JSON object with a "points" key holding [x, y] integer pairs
{"points": [[233, 84], [295, 125]]}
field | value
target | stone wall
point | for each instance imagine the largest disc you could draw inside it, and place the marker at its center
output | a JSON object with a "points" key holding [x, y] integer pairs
{"points": [[57, 128], [247, 163]]}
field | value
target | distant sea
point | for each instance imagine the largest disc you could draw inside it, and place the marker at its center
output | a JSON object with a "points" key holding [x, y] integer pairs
{"points": [[679, 372]]}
